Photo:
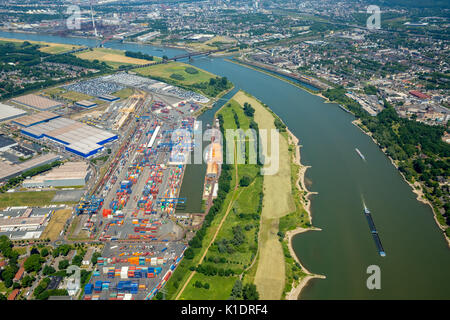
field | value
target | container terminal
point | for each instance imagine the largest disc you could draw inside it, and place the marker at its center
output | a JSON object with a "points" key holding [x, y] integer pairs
{"points": [[131, 206], [127, 150]]}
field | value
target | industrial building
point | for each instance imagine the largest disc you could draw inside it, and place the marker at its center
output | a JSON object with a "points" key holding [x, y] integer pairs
{"points": [[108, 97], [78, 138], [85, 104], [419, 94], [8, 112], [212, 170], [11, 170], [213, 157], [37, 102], [6, 143], [19, 223], [69, 174], [35, 118]]}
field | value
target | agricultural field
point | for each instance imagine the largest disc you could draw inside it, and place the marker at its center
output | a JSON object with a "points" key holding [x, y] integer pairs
{"points": [[56, 224], [277, 202], [113, 58], [47, 47], [188, 75]]}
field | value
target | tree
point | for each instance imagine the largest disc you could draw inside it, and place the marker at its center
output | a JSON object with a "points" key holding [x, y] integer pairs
{"points": [[245, 181], [95, 256], [250, 292], [44, 252], [8, 274], [27, 281], [48, 270], [77, 260], [236, 292], [189, 253], [33, 263], [63, 264], [206, 285]]}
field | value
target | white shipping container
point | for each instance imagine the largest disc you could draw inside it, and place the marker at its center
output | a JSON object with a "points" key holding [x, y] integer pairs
{"points": [[160, 261], [127, 296], [105, 269], [153, 261]]}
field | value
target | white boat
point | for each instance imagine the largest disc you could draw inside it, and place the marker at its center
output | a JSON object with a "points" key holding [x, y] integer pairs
{"points": [[360, 154]]}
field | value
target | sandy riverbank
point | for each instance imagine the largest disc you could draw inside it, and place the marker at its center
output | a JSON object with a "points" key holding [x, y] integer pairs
{"points": [[297, 289], [300, 184]]}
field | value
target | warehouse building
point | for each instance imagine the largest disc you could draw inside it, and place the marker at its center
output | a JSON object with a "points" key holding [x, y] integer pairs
{"points": [[11, 170], [108, 97], [19, 223], [6, 143], [85, 104], [37, 102], [34, 119], [9, 112], [77, 137], [70, 174], [419, 94]]}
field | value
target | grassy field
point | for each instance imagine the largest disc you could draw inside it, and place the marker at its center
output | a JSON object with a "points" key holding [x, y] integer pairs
{"points": [[47, 47], [60, 93], [56, 224], [182, 272], [166, 70], [277, 202], [219, 288], [75, 96], [53, 92], [221, 39], [240, 214], [201, 46], [114, 58], [123, 93], [15, 199], [279, 184]]}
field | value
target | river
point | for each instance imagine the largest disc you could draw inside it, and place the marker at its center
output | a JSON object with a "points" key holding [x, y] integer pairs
{"points": [[417, 256]]}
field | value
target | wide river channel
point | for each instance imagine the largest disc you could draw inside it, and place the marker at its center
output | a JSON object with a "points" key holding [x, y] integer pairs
{"points": [[417, 256]]}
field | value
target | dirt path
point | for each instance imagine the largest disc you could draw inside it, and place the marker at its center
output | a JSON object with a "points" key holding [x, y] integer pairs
{"points": [[230, 205]]}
